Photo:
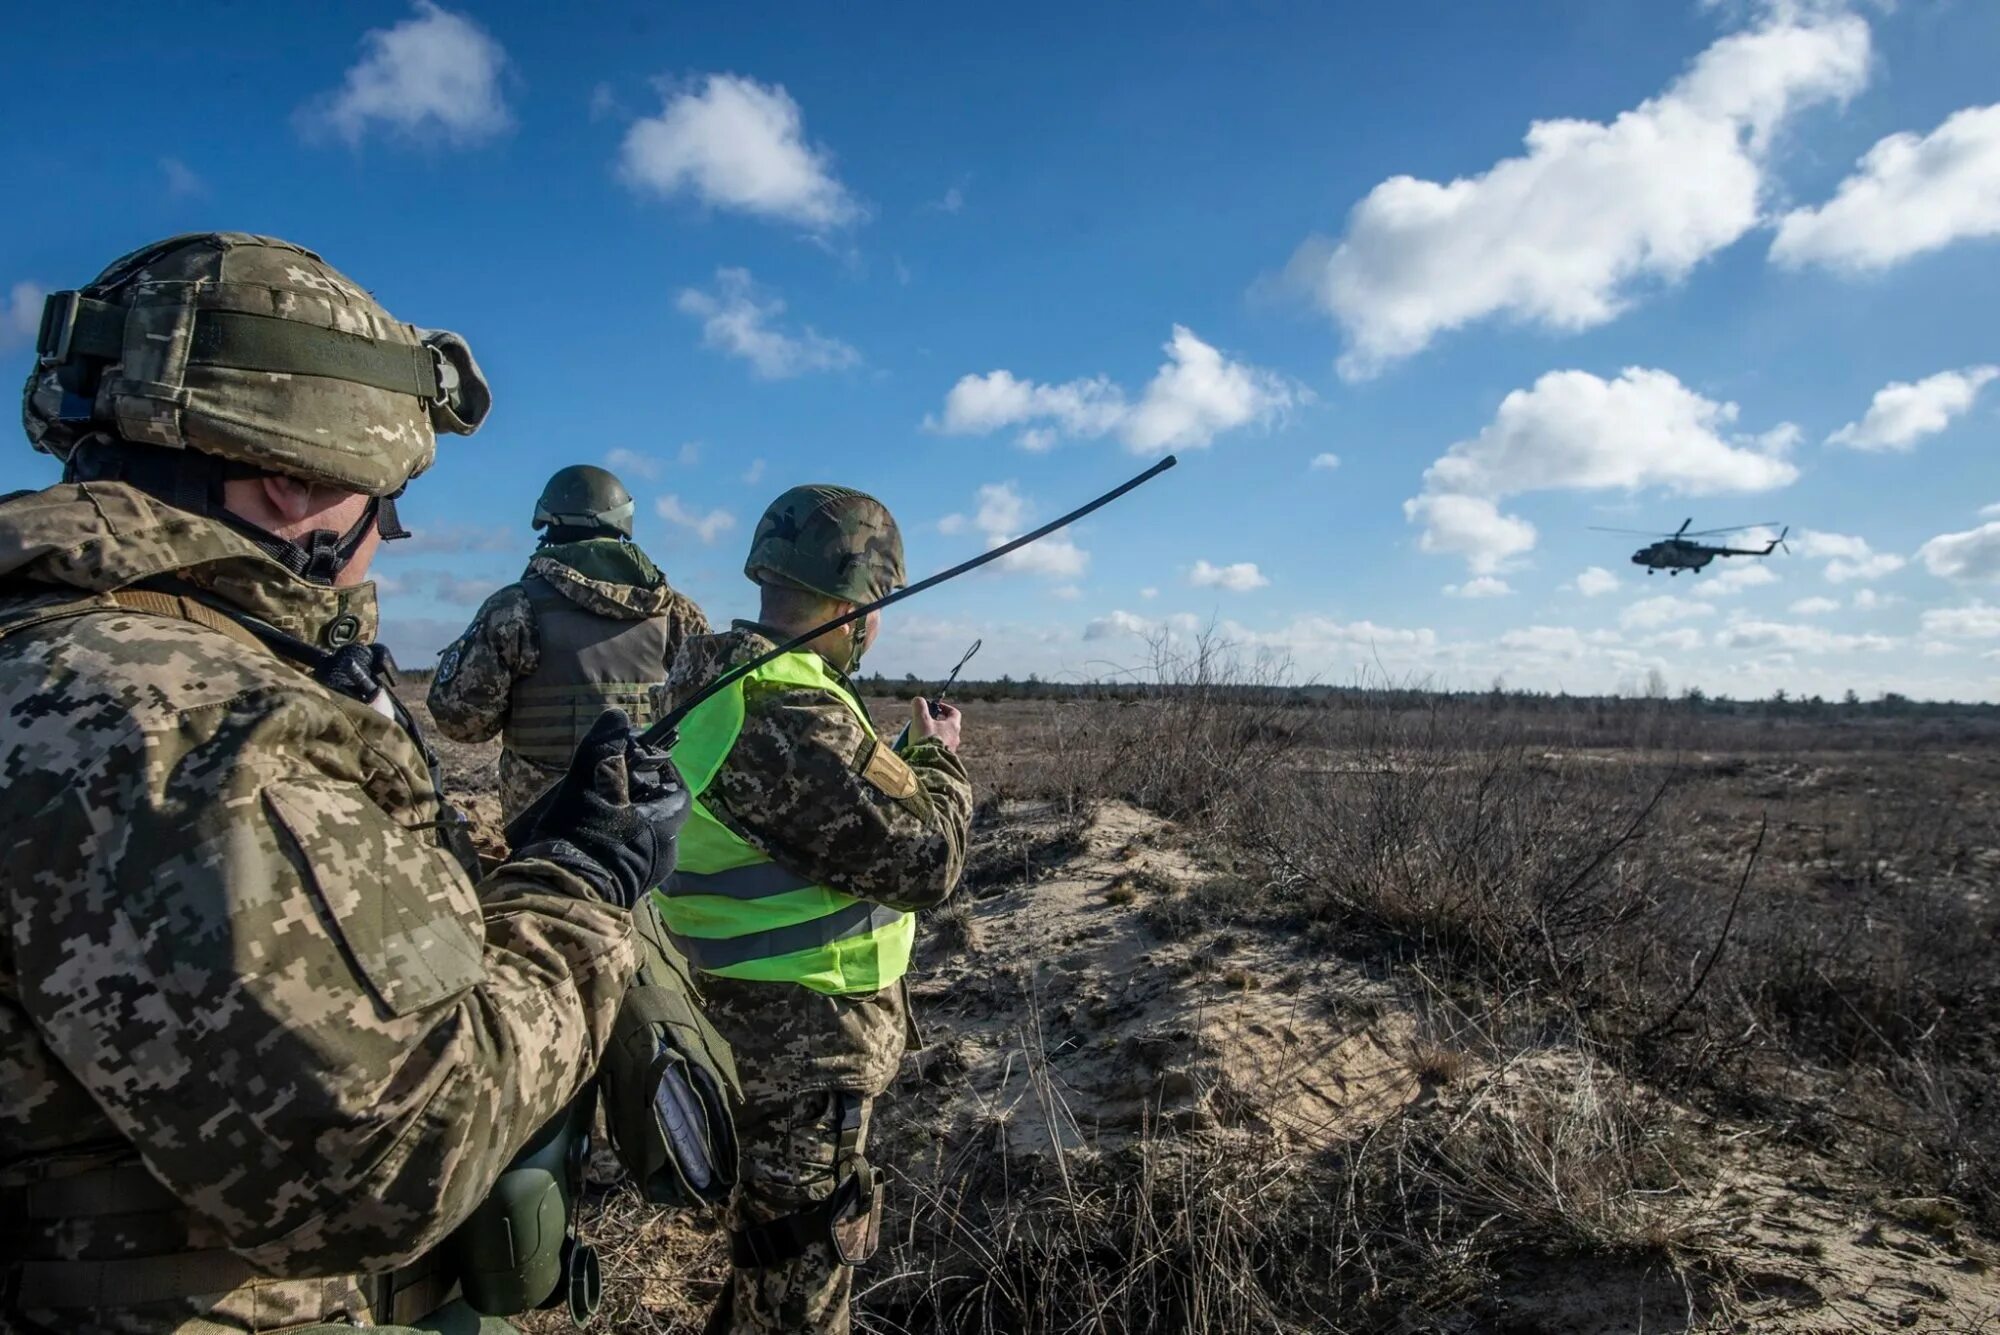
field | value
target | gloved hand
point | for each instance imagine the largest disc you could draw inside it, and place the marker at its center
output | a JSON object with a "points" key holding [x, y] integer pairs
{"points": [[614, 817]]}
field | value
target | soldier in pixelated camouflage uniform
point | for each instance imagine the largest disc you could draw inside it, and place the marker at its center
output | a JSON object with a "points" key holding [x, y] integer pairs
{"points": [[591, 625], [263, 1040], [811, 843]]}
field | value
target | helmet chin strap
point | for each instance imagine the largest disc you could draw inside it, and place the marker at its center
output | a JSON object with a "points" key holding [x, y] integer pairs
{"points": [[187, 480], [857, 644]]}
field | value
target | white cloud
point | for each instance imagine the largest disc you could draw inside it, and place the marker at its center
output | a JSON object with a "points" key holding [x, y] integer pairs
{"points": [[1909, 194], [1239, 577], [1901, 414], [1001, 516], [1149, 593], [1480, 586], [1734, 580], [1069, 593], [1119, 623], [1686, 640], [739, 318], [1575, 431], [434, 74], [1975, 621], [689, 454], [1794, 638], [1324, 463], [707, 527], [622, 460], [1663, 610], [1847, 557], [734, 143], [1989, 511], [1971, 555], [21, 313], [182, 183], [1815, 606], [1570, 232], [951, 201], [1596, 581], [1471, 527], [1869, 600], [1548, 641], [1195, 396], [754, 473]]}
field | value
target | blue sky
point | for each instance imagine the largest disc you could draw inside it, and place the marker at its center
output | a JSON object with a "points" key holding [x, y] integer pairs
{"points": [[1520, 270]]}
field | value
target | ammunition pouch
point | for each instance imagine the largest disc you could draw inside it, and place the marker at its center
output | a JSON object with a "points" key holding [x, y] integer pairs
{"points": [[669, 1081]]}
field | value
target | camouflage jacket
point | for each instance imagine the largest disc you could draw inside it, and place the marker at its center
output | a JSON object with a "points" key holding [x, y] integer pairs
{"points": [[795, 785], [501, 646], [231, 947]]}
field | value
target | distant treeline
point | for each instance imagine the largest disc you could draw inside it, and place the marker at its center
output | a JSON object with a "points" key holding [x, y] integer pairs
{"points": [[1888, 705]]}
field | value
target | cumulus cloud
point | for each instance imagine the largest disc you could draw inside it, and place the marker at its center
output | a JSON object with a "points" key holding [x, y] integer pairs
{"points": [[1794, 638], [1975, 621], [1870, 600], [1735, 580], [1908, 195], [624, 461], [1814, 606], [21, 313], [1119, 623], [1001, 515], [1324, 462], [1570, 232], [1239, 577], [734, 143], [1576, 431], [1471, 527], [1973, 555], [1664, 610], [435, 74], [1149, 593], [1195, 396], [1481, 586], [1596, 581], [741, 319], [1902, 414], [1847, 557], [754, 473], [707, 527]]}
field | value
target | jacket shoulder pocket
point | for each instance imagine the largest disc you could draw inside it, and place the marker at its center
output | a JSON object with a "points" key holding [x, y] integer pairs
{"points": [[401, 908]]}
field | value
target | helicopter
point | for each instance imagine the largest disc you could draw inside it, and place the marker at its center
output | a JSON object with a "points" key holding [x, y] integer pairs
{"points": [[1679, 550]]}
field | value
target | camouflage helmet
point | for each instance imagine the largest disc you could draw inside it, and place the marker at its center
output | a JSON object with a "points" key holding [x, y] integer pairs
{"points": [[833, 541], [583, 496], [255, 351]]}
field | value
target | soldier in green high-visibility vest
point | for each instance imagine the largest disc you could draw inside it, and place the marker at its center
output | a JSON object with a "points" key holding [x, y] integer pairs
{"points": [[810, 845]]}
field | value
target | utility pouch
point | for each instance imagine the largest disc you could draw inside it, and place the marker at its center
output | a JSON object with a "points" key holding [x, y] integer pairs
{"points": [[669, 1081], [854, 1221], [519, 1249]]}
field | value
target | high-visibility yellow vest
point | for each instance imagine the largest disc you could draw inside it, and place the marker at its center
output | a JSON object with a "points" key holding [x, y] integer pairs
{"points": [[737, 914]]}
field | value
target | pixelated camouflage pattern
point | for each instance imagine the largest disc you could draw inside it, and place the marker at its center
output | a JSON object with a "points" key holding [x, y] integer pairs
{"points": [[472, 694], [831, 540], [348, 435], [234, 950], [790, 1146]]}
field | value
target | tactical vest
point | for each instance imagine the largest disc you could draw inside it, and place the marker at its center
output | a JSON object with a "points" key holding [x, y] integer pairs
{"points": [[737, 914], [588, 664]]}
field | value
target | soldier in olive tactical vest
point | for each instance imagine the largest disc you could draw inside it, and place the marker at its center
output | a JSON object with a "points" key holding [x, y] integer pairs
{"points": [[264, 1039], [592, 625], [812, 843]]}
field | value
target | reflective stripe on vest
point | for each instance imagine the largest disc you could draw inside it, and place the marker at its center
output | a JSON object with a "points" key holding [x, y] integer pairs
{"points": [[737, 914]]}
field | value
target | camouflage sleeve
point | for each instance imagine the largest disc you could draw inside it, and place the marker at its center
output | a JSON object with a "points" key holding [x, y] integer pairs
{"points": [[808, 785], [252, 965], [477, 671], [685, 621]]}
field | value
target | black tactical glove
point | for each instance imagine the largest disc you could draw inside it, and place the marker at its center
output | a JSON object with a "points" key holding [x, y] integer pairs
{"points": [[613, 817]]}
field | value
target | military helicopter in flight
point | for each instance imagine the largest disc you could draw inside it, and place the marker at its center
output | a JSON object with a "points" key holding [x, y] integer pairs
{"points": [[1680, 550]]}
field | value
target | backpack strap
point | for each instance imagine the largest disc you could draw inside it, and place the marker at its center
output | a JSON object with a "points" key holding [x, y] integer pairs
{"points": [[145, 601]]}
